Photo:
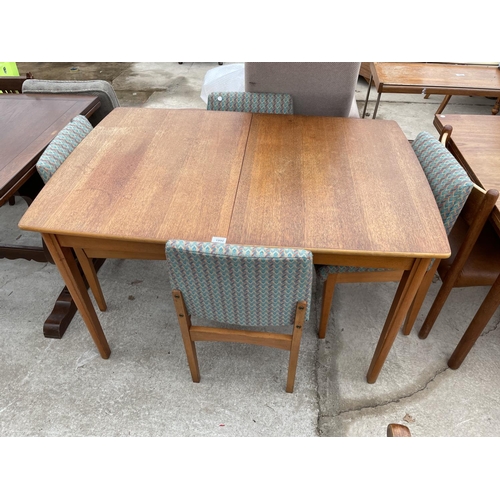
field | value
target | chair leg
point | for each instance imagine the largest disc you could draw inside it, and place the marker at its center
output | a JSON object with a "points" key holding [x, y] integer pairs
{"points": [[483, 315], [419, 298], [185, 325], [326, 303], [298, 326], [436, 307]]}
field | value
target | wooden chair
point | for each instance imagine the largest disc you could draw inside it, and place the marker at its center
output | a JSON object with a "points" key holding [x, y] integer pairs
{"points": [[62, 145], [13, 84], [475, 258], [451, 187], [398, 430], [253, 102], [242, 286], [99, 88]]}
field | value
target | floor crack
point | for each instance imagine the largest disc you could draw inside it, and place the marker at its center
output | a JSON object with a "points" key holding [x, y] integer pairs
{"points": [[397, 400]]}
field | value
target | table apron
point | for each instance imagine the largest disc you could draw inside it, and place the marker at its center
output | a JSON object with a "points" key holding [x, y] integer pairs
{"points": [[385, 88], [116, 249], [388, 262]]}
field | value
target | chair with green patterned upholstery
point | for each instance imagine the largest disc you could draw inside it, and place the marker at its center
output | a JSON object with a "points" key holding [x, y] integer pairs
{"points": [[252, 102], [451, 187], [62, 146], [242, 286]]}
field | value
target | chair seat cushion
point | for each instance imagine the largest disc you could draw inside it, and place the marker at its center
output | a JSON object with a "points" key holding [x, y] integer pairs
{"points": [[483, 265], [62, 146]]}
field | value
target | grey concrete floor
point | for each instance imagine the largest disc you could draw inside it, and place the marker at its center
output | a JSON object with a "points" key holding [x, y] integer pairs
{"points": [[63, 388]]}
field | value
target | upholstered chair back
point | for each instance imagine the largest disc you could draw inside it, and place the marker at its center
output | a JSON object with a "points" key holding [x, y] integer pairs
{"points": [[253, 102], [62, 146], [240, 285], [449, 182]]}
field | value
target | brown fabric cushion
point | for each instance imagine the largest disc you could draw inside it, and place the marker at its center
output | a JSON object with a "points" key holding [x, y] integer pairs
{"points": [[324, 89], [483, 265]]}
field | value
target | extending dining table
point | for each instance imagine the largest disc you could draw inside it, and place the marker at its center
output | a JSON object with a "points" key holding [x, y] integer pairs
{"points": [[351, 191], [28, 123]]}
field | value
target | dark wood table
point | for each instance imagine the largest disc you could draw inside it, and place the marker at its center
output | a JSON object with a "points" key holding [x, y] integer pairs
{"points": [[433, 78], [27, 125], [475, 143], [351, 191]]}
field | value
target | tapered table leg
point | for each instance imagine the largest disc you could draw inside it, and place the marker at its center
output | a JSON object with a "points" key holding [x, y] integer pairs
{"points": [[66, 263], [64, 309], [405, 293]]}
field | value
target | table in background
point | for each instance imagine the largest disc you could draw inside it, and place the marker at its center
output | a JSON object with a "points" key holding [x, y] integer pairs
{"points": [[434, 78], [27, 125], [351, 191]]}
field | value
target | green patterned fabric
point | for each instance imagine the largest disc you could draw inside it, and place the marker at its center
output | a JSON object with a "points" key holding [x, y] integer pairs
{"points": [[448, 180], [449, 183], [252, 102], [240, 285], [62, 146]]}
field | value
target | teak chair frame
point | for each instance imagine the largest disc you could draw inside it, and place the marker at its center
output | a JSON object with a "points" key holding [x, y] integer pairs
{"points": [[475, 213], [192, 334]]}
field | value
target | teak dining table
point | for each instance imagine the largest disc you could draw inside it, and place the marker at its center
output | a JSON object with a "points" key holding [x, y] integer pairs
{"points": [[351, 191]]}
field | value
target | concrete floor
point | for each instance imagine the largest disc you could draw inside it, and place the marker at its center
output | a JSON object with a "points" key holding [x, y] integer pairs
{"points": [[63, 388]]}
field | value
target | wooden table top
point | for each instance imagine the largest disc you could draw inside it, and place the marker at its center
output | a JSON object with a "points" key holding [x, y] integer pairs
{"points": [[475, 142], [335, 185], [148, 175], [27, 125], [407, 77]]}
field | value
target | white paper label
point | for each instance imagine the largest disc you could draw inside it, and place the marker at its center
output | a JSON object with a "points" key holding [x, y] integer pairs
{"points": [[218, 239]]}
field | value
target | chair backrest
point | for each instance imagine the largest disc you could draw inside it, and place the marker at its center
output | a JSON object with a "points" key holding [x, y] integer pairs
{"points": [[448, 180], [240, 285], [253, 102], [323, 89], [62, 146], [99, 88], [13, 84]]}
